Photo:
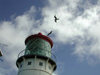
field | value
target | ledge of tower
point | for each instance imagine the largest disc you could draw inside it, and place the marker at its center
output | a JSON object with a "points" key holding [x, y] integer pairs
{"points": [[20, 59]]}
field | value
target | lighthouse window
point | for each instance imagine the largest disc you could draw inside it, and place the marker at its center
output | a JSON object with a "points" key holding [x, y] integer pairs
{"points": [[29, 63], [41, 63]]}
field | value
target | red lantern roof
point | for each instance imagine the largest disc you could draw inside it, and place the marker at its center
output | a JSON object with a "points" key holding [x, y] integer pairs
{"points": [[39, 35]]}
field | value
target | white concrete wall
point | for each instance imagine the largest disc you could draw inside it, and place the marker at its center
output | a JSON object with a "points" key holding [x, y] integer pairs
{"points": [[35, 68]]}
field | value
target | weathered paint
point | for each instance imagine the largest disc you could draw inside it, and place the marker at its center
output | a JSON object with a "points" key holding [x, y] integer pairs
{"points": [[35, 68], [38, 46]]}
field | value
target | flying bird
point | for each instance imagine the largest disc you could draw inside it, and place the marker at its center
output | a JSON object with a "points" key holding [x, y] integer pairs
{"points": [[49, 33], [56, 18], [1, 56], [0, 53]]}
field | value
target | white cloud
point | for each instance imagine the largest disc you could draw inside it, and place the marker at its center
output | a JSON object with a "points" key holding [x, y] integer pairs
{"points": [[83, 29], [13, 33], [90, 20]]}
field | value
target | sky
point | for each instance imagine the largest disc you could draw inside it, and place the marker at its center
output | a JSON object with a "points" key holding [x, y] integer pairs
{"points": [[76, 35]]}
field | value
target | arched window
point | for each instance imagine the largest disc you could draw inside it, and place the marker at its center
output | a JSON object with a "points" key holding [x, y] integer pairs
{"points": [[41, 63], [29, 63]]}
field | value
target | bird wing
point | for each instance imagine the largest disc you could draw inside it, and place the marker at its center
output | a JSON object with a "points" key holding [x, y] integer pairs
{"points": [[55, 20], [55, 17], [49, 33], [0, 53]]}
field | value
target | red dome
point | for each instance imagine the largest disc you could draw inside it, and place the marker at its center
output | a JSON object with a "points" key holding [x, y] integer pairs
{"points": [[39, 35]]}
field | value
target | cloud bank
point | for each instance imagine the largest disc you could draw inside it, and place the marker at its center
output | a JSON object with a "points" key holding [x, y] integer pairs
{"points": [[79, 24]]}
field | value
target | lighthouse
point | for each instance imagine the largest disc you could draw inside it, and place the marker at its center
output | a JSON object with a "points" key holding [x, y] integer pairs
{"points": [[37, 57]]}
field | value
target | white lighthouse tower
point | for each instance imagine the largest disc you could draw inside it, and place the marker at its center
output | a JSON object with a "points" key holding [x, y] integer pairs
{"points": [[36, 59]]}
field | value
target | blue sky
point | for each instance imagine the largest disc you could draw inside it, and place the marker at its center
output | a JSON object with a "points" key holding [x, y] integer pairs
{"points": [[76, 36], [17, 7]]}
